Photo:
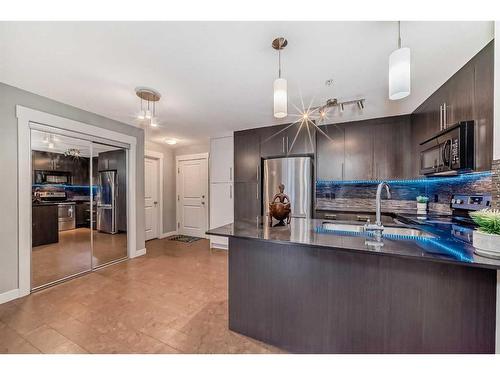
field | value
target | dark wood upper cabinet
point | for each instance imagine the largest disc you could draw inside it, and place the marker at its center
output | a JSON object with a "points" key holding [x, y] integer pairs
{"points": [[483, 106], [247, 156], [365, 150], [467, 95], [287, 140], [358, 164], [330, 152], [273, 141], [300, 139], [391, 142]]}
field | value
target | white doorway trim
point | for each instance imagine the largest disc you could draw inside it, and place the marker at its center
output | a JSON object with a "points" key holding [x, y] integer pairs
{"points": [[179, 158], [158, 156], [24, 117]]}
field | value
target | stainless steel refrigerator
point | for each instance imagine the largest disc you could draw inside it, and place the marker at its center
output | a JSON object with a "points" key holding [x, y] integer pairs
{"points": [[106, 202], [296, 174]]}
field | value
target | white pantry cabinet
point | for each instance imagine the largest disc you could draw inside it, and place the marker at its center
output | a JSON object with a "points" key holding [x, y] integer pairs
{"points": [[221, 187]]}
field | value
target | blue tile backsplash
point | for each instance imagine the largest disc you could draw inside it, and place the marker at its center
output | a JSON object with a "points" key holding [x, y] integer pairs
{"points": [[360, 194]]}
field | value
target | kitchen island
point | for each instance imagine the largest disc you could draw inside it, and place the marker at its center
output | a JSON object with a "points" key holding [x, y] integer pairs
{"points": [[307, 289]]}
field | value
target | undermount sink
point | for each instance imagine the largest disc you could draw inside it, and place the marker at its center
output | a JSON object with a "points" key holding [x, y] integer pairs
{"points": [[388, 230]]}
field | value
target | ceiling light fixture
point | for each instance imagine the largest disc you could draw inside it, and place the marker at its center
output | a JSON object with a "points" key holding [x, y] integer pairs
{"points": [[171, 141], [148, 111], [280, 84], [323, 109], [399, 71]]}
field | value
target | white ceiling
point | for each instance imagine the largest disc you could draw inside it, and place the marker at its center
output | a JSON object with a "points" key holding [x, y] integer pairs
{"points": [[216, 77]]}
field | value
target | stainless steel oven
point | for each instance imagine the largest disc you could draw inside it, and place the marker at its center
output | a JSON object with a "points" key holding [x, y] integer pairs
{"points": [[450, 151]]}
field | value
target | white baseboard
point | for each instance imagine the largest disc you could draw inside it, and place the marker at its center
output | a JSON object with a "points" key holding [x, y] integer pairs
{"points": [[168, 234], [139, 253], [215, 245], [9, 296]]}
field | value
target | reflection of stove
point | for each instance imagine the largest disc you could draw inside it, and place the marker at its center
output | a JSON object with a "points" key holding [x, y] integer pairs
{"points": [[462, 233], [461, 224]]}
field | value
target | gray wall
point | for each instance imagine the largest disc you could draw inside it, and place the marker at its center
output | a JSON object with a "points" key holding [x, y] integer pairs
{"points": [[193, 149], [9, 98], [168, 184]]}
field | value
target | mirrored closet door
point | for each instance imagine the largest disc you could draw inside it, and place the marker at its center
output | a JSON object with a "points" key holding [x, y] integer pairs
{"points": [[79, 205]]}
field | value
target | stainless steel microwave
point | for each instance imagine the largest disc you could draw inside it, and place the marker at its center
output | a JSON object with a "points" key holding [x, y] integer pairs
{"points": [[450, 151], [52, 177]]}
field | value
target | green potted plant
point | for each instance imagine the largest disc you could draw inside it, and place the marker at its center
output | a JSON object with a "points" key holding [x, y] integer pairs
{"points": [[486, 238], [422, 204]]}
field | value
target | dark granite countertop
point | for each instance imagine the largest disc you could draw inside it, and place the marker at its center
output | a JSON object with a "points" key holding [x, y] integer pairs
{"points": [[442, 248]]}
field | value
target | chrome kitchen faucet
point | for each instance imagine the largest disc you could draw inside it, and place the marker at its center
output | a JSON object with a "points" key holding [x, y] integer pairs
{"points": [[377, 227]]}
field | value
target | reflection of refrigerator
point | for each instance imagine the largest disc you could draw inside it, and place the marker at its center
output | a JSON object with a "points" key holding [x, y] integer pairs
{"points": [[106, 202], [296, 174]]}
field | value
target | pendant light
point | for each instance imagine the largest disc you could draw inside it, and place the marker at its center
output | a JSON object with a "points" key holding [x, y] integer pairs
{"points": [[399, 71], [280, 84], [148, 112]]}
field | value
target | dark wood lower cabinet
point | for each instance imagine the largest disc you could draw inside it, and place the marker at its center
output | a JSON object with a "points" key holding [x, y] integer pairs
{"points": [[45, 225], [307, 299]]}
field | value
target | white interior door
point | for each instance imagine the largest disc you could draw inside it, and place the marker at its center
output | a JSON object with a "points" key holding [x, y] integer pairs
{"points": [[192, 195], [151, 207]]}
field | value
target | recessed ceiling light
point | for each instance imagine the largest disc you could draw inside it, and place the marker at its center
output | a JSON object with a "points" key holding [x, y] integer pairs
{"points": [[171, 141]]}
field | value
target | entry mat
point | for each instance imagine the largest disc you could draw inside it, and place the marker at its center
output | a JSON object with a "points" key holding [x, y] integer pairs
{"points": [[182, 238]]}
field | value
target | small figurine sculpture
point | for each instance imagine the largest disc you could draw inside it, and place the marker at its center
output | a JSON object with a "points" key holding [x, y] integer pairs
{"points": [[279, 208]]}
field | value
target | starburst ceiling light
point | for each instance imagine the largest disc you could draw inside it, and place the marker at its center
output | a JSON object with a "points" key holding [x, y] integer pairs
{"points": [[280, 84], [148, 112], [399, 71]]}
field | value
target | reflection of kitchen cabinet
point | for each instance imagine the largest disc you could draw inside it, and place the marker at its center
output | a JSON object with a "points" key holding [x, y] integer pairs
{"points": [[83, 215], [45, 225], [42, 160], [51, 161]]}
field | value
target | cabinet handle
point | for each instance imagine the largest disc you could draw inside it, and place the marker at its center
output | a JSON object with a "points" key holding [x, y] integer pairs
{"points": [[287, 145], [258, 170], [342, 171], [257, 191], [230, 191], [230, 173], [444, 117], [283, 144], [440, 117]]}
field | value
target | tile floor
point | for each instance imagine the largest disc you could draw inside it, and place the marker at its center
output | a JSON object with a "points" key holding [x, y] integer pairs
{"points": [[173, 300]]}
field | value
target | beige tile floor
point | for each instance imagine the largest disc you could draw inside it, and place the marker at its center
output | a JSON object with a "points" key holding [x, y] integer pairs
{"points": [[173, 300]]}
